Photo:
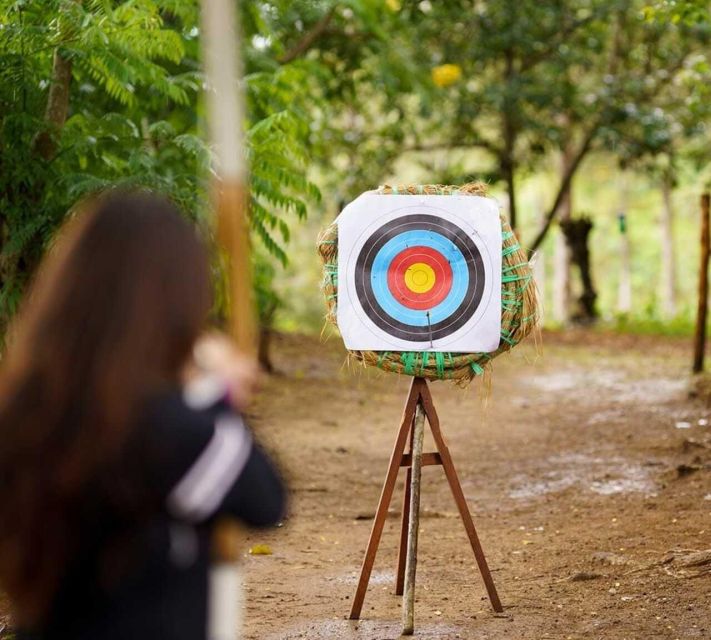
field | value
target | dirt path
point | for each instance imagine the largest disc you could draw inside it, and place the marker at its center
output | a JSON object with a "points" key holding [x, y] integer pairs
{"points": [[587, 495]]}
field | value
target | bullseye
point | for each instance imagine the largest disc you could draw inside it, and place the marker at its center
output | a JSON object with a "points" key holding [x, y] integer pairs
{"points": [[420, 277]]}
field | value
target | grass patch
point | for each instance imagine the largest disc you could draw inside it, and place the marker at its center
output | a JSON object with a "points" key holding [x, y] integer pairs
{"points": [[651, 326]]}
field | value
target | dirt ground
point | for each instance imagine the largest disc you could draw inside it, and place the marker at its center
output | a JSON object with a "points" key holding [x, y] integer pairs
{"points": [[586, 466], [587, 469]]}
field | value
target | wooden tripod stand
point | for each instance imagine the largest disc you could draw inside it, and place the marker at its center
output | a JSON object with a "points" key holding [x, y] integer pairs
{"points": [[418, 406]]}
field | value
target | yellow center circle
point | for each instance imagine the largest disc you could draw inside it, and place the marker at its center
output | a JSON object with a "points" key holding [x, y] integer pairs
{"points": [[420, 277]]}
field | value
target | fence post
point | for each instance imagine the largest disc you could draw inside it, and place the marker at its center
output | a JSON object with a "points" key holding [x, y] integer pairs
{"points": [[702, 310]]}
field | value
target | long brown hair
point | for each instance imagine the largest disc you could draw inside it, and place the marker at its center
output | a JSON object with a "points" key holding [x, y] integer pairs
{"points": [[111, 319]]}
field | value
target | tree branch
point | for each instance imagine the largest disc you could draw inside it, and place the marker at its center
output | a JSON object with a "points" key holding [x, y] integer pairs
{"points": [[532, 60], [612, 68], [308, 38], [565, 184], [437, 146], [57, 109]]}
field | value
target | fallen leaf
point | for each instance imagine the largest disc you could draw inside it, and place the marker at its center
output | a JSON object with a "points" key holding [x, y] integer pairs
{"points": [[260, 550]]}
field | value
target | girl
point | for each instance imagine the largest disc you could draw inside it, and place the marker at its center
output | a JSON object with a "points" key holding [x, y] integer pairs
{"points": [[115, 457]]}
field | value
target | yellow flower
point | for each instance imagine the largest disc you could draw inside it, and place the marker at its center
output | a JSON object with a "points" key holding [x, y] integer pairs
{"points": [[446, 74], [393, 5]]}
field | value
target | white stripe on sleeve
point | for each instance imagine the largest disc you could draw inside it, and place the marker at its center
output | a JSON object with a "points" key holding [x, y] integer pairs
{"points": [[201, 490]]}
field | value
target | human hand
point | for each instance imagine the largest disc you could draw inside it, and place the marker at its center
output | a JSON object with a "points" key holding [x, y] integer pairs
{"points": [[215, 353]]}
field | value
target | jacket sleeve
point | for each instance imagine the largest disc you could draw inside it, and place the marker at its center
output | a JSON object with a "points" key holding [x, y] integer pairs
{"points": [[211, 466]]}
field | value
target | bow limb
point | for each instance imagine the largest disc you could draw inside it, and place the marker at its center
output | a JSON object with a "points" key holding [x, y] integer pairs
{"points": [[230, 191]]}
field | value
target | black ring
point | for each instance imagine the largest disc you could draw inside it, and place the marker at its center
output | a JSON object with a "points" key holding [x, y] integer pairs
{"points": [[419, 222]]}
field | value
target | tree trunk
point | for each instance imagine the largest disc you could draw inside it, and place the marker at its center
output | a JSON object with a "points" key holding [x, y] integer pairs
{"points": [[703, 301], [668, 279], [577, 233], [575, 160], [624, 290], [561, 278], [539, 266], [624, 285], [508, 161], [562, 256], [508, 172], [57, 109], [264, 350]]}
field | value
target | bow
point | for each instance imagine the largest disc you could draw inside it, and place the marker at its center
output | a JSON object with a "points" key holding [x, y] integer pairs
{"points": [[225, 116], [225, 111]]}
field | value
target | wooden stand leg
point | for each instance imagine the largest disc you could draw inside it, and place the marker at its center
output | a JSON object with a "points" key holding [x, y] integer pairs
{"points": [[402, 552], [385, 498], [418, 406], [460, 499], [408, 601]]}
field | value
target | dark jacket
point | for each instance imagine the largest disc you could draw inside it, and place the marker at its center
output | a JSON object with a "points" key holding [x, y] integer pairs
{"points": [[142, 571]]}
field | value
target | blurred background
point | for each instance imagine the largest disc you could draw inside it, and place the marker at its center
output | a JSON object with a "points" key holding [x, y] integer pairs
{"points": [[587, 118]]}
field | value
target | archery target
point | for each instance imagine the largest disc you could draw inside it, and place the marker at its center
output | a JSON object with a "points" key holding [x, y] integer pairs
{"points": [[420, 273]]}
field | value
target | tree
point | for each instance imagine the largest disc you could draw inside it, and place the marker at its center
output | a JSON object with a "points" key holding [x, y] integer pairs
{"points": [[668, 132], [539, 78], [518, 81], [643, 62], [98, 93]]}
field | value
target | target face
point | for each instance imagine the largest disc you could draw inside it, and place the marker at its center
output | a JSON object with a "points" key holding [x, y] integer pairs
{"points": [[421, 273]]}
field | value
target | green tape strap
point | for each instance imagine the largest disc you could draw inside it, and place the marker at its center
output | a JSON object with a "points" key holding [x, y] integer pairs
{"points": [[510, 249], [511, 267], [439, 364], [477, 368], [408, 362]]}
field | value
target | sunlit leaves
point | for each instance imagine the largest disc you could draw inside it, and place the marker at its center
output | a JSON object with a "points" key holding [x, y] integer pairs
{"points": [[134, 119]]}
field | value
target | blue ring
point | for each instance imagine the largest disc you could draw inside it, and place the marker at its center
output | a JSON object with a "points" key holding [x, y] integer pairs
{"points": [[419, 238]]}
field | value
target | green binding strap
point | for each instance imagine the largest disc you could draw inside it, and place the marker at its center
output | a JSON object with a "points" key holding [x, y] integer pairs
{"points": [[439, 364], [477, 368]]}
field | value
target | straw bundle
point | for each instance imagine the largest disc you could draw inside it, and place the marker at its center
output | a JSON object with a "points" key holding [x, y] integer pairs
{"points": [[519, 304]]}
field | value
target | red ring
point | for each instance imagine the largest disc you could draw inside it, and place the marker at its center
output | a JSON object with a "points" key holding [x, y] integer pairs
{"points": [[403, 261]]}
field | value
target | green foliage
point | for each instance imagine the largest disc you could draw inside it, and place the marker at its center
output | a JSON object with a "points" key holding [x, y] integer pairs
{"points": [[678, 11], [134, 118], [536, 79], [343, 94], [276, 144]]}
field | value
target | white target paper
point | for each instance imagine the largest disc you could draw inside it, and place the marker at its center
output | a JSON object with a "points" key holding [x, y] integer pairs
{"points": [[420, 273]]}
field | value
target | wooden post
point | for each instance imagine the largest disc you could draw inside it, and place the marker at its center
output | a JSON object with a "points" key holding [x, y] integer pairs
{"points": [[386, 495], [408, 601], [404, 526], [702, 310], [624, 289], [456, 487]]}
